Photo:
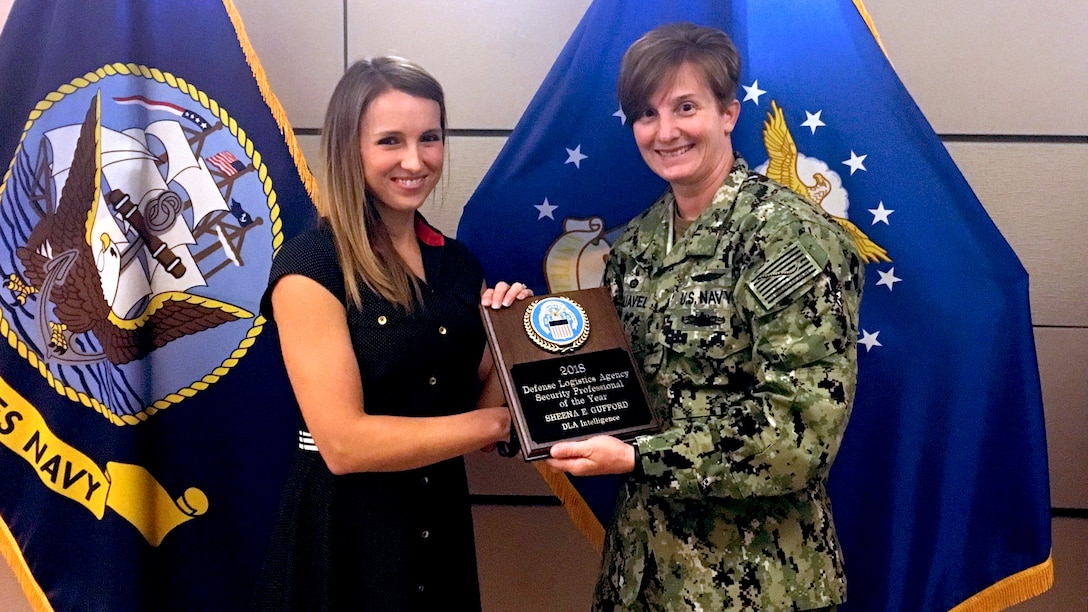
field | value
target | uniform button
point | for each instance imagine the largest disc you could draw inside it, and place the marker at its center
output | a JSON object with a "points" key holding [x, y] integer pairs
{"points": [[433, 381], [442, 330], [382, 320], [426, 534]]}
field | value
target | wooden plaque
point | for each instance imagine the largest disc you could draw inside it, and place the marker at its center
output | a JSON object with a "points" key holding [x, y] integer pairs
{"points": [[567, 370]]}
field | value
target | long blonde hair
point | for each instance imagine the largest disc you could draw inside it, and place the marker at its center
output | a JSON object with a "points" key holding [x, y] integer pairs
{"points": [[363, 245]]}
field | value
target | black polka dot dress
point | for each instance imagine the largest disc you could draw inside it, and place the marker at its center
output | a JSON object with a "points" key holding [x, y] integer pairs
{"points": [[398, 540]]}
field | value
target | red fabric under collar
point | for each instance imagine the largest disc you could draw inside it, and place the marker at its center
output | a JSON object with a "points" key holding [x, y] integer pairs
{"points": [[427, 234]]}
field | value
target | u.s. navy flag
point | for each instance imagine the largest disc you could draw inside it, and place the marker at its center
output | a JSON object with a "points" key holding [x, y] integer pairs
{"points": [[940, 489], [149, 175]]}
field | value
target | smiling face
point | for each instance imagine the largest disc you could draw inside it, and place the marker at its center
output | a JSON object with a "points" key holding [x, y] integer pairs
{"points": [[685, 137], [402, 148]]}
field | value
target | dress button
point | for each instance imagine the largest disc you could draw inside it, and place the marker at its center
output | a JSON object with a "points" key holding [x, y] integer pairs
{"points": [[419, 588], [424, 480], [442, 330], [433, 381], [382, 320], [426, 534]]}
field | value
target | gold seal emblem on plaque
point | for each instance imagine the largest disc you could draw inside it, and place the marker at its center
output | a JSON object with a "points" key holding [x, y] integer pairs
{"points": [[557, 324]]}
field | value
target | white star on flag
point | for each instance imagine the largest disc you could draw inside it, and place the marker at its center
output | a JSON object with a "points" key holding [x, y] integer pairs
{"points": [[813, 121], [621, 115], [545, 210], [753, 92], [855, 162], [888, 278], [574, 156], [869, 340], [880, 213]]}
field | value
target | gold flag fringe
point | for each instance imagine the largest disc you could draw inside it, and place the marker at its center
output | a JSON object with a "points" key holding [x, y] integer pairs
{"points": [[273, 102], [860, 5], [13, 554], [1015, 589], [584, 519]]}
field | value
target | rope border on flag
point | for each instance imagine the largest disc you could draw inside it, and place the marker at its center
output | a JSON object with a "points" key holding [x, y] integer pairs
{"points": [[273, 212]]}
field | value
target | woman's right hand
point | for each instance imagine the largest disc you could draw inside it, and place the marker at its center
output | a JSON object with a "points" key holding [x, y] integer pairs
{"points": [[503, 294], [498, 419]]}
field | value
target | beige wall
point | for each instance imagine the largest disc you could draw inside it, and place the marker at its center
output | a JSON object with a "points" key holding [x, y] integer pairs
{"points": [[1004, 82]]}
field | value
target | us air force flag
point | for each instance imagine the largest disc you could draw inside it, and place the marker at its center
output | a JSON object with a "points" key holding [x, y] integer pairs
{"points": [[149, 174], [940, 489]]}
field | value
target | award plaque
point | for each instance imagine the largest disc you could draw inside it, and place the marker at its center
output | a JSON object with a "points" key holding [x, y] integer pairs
{"points": [[567, 370]]}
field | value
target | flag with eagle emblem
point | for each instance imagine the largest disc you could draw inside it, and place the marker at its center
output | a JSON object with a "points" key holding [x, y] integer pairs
{"points": [[940, 489], [146, 421]]}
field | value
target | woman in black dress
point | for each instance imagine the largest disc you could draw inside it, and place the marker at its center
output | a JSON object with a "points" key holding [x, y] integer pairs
{"points": [[383, 344]]}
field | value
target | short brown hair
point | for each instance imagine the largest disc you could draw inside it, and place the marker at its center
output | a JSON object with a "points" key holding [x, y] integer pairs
{"points": [[655, 58]]}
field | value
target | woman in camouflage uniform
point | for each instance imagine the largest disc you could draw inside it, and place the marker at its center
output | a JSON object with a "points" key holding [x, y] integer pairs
{"points": [[741, 301]]}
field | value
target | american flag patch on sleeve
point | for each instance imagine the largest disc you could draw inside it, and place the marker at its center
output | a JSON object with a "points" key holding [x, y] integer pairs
{"points": [[781, 276]]}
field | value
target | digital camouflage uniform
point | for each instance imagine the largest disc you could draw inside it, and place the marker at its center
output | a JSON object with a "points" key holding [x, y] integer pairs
{"points": [[747, 336]]}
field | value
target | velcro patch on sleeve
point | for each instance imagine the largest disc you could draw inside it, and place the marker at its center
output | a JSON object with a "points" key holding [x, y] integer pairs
{"points": [[781, 276]]}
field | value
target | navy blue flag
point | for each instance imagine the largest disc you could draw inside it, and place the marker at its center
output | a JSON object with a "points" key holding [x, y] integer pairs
{"points": [[940, 489], [145, 417]]}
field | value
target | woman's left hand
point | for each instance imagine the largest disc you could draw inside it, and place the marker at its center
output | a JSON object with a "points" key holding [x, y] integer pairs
{"points": [[503, 294]]}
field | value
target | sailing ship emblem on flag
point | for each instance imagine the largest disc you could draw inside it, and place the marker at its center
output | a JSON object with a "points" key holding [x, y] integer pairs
{"points": [[121, 244], [142, 397]]}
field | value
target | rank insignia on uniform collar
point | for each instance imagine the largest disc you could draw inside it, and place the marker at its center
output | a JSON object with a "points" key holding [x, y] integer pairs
{"points": [[556, 324]]}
